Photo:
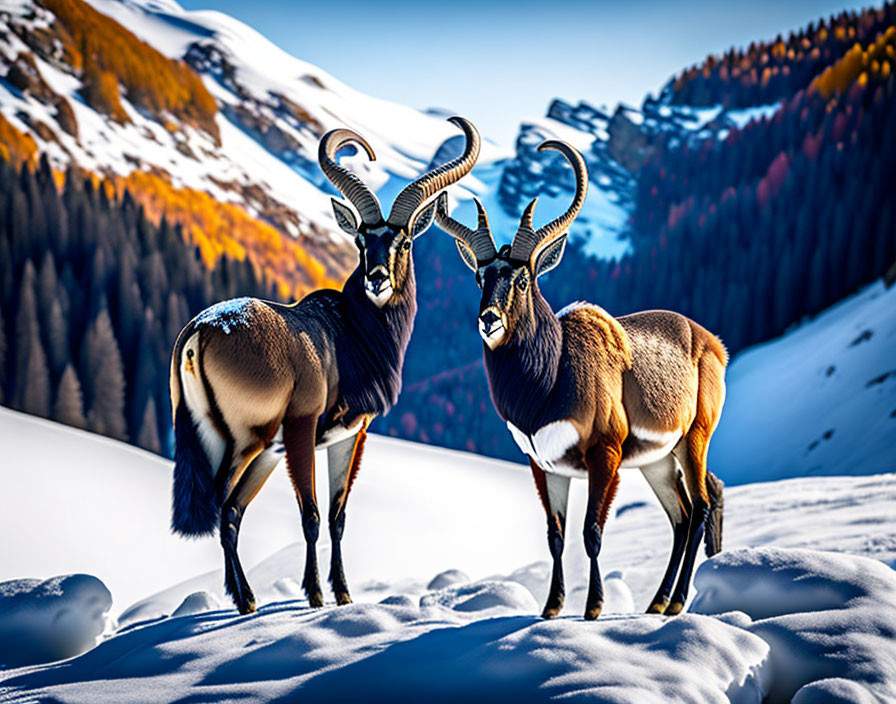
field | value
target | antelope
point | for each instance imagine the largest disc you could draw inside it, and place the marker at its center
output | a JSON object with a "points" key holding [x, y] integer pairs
{"points": [[252, 380], [585, 394]]}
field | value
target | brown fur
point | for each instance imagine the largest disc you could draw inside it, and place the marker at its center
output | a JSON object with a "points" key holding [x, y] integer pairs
{"points": [[357, 454], [540, 486], [655, 371]]}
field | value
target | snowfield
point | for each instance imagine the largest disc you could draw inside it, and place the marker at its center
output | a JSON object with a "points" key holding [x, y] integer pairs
{"points": [[446, 556], [821, 400]]}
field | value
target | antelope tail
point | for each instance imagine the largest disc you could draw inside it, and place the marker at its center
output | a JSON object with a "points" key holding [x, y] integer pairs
{"points": [[194, 501], [712, 537]]}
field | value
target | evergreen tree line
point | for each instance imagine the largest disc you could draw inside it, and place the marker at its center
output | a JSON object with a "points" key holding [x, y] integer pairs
{"points": [[92, 297], [767, 72]]}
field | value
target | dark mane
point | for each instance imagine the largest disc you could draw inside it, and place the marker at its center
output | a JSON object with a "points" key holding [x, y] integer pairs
{"points": [[370, 353], [523, 371]]}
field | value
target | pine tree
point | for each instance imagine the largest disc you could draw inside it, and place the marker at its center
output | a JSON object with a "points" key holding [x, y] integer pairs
{"points": [[2, 356], [148, 437], [35, 396], [30, 373], [103, 376], [69, 406], [7, 278], [57, 339], [46, 284]]}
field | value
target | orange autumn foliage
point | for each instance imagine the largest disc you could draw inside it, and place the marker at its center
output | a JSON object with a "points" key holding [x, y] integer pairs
{"points": [[107, 51], [854, 65], [15, 146], [101, 92], [218, 228]]}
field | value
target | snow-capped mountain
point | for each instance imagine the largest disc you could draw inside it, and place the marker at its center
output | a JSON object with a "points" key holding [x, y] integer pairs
{"points": [[259, 152]]}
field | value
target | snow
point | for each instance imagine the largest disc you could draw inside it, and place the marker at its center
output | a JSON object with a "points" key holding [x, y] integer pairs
{"points": [[52, 619], [742, 117], [446, 558], [599, 224], [831, 381], [404, 139], [826, 617]]}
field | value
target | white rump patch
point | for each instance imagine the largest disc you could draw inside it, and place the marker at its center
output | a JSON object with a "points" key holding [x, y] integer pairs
{"points": [[197, 403], [549, 444]]}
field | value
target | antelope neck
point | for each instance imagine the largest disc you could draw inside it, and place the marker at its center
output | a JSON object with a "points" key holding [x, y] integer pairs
{"points": [[522, 372]]}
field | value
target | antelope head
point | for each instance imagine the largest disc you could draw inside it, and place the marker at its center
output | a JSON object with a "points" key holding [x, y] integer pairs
{"points": [[385, 244], [508, 277]]}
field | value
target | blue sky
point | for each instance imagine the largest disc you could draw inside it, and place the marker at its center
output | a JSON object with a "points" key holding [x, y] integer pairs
{"points": [[498, 63]]}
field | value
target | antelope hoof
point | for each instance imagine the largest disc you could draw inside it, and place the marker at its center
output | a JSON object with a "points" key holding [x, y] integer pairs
{"points": [[343, 598], [674, 608], [316, 600], [552, 611], [658, 607], [592, 612], [247, 607]]}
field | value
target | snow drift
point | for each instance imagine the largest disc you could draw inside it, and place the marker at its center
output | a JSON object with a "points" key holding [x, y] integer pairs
{"points": [[829, 619], [47, 620], [771, 624]]}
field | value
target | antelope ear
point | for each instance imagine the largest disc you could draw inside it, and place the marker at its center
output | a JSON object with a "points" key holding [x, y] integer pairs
{"points": [[345, 217], [423, 220], [549, 256], [466, 254]]}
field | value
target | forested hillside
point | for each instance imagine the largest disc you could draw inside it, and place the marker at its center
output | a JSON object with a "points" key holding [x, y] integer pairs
{"points": [[92, 296]]}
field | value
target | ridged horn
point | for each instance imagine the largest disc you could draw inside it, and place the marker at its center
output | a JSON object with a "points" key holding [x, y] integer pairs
{"points": [[526, 240], [348, 183], [416, 193], [480, 240]]}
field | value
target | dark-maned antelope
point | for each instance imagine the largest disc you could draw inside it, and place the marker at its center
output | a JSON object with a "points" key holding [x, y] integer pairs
{"points": [[252, 379], [584, 394]]}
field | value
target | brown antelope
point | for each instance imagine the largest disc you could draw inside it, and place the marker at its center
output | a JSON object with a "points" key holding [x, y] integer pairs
{"points": [[252, 379], [584, 394]]}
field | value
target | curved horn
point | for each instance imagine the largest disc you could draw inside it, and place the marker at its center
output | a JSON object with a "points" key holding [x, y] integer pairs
{"points": [[526, 240], [348, 184], [418, 192], [480, 240]]}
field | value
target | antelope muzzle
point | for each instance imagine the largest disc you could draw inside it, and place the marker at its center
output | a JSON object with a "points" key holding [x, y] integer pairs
{"points": [[492, 326], [378, 285]]}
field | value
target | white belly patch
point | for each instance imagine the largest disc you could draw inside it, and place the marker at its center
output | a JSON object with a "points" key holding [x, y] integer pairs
{"points": [[339, 432], [658, 445], [548, 445]]}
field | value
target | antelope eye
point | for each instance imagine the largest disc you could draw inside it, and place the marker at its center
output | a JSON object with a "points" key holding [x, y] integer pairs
{"points": [[406, 245], [521, 283]]}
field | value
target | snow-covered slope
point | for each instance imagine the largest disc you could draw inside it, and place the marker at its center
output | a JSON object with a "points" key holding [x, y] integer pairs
{"points": [[830, 385], [86, 504], [270, 122]]}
